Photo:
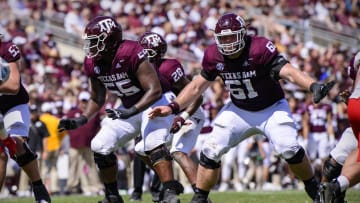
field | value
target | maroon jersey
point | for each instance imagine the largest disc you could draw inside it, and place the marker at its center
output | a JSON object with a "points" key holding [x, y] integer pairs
{"points": [[171, 72], [11, 53], [318, 116], [247, 77], [120, 78], [297, 116]]}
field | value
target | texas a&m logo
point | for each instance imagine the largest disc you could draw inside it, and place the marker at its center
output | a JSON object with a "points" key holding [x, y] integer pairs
{"points": [[106, 25]]}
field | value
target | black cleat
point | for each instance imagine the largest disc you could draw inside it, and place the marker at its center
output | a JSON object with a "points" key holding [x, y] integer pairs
{"points": [[198, 198], [41, 194], [135, 197], [170, 196], [331, 193]]}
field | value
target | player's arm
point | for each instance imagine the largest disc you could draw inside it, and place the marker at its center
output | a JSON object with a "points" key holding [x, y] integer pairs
{"points": [[191, 109], [11, 85], [150, 83], [304, 81], [294, 75], [98, 96], [192, 91]]}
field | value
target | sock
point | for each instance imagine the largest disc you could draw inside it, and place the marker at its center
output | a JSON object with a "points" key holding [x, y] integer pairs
{"points": [[111, 189], [343, 182], [193, 187], [37, 183], [201, 192], [311, 187]]}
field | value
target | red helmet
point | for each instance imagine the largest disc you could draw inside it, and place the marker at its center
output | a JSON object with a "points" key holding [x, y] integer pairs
{"points": [[102, 36], [154, 44], [354, 65], [230, 31]]}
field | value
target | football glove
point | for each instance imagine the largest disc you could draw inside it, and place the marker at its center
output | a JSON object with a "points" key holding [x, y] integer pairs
{"points": [[72, 123], [319, 90], [121, 113], [178, 122]]}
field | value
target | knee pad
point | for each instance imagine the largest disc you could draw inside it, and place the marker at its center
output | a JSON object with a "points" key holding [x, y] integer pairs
{"points": [[105, 161], [158, 154], [25, 158], [331, 169], [294, 158], [208, 163]]}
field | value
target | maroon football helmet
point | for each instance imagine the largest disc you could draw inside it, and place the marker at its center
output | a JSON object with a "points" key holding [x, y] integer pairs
{"points": [[154, 44], [102, 36], [230, 31], [354, 65]]}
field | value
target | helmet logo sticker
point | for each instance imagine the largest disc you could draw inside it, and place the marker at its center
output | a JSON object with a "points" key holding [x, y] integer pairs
{"points": [[106, 25]]}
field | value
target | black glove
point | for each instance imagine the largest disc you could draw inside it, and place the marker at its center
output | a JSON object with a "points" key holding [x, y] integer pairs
{"points": [[72, 123], [178, 122], [121, 113], [320, 90]]}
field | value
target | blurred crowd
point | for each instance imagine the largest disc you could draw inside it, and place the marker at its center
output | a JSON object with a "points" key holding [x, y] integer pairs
{"points": [[57, 85]]}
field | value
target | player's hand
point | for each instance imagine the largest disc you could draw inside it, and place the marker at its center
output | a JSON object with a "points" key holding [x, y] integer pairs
{"points": [[178, 122], [344, 95], [10, 144], [160, 111], [72, 123], [121, 113], [320, 90]]}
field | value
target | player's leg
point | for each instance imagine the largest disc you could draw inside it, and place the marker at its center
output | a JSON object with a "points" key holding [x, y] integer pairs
{"points": [[139, 168], [334, 163], [280, 129], [228, 130], [3, 163], [113, 133], [17, 122], [155, 133], [183, 142], [350, 175]]}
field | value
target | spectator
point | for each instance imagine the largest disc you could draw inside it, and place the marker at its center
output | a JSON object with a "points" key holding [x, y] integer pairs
{"points": [[82, 167], [51, 147], [74, 22]]}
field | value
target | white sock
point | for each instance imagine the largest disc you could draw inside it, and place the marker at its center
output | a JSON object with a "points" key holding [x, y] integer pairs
{"points": [[344, 183]]}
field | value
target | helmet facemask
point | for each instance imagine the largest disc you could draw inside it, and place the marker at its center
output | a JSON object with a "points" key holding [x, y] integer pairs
{"points": [[230, 42], [94, 44], [151, 53]]}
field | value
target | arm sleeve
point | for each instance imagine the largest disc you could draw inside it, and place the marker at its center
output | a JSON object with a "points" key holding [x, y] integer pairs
{"points": [[276, 65]]}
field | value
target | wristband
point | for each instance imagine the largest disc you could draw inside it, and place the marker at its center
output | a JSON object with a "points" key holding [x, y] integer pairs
{"points": [[83, 119], [185, 115], [174, 107], [313, 86]]}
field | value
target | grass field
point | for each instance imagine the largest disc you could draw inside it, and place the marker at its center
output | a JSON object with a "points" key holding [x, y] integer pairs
{"points": [[288, 196]]}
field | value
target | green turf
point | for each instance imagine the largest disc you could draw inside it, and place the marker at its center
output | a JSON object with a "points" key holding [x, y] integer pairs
{"points": [[288, 196]]}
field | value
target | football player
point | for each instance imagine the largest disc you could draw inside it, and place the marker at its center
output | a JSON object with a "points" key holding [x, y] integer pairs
{"points": [[342, 169], [187, 124], [121, 66], [14, 130], [250, 67]]}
